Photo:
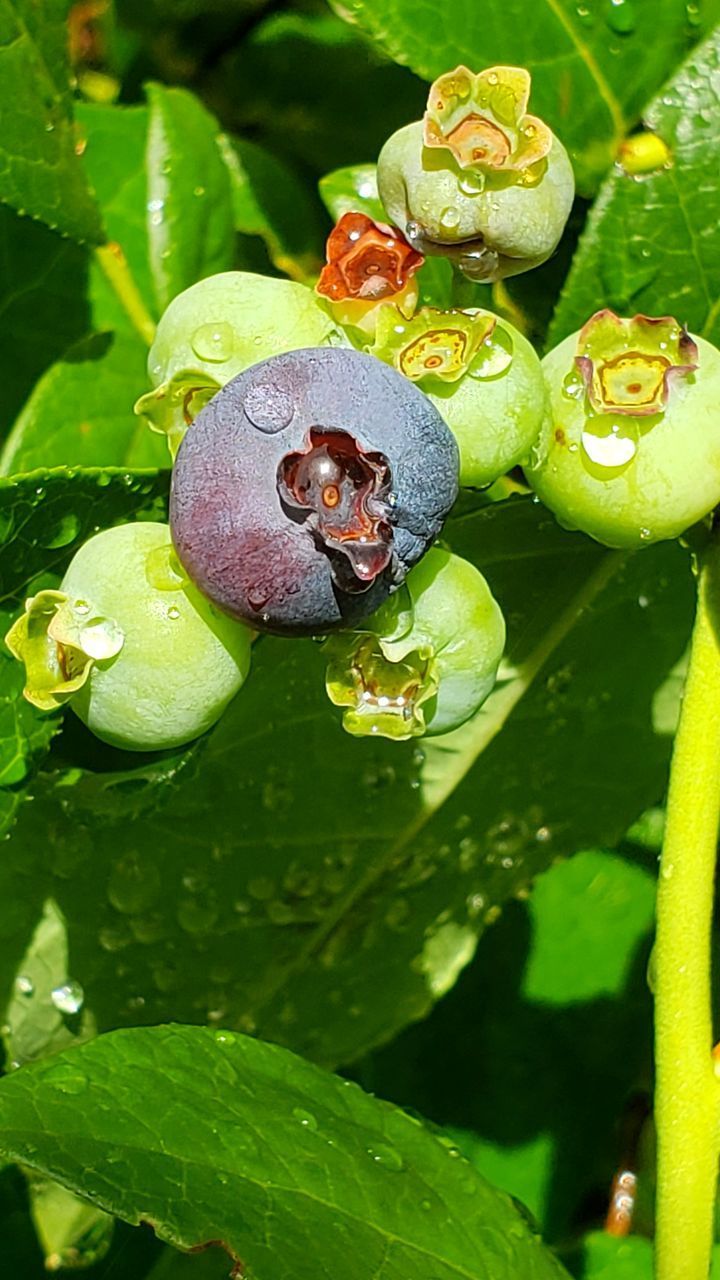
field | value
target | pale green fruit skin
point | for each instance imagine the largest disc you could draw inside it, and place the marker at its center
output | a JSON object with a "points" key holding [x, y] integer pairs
{"points": [[673, 479], [521, 224], [265, 317], [495, 421], [455, 613], [174, 675]]}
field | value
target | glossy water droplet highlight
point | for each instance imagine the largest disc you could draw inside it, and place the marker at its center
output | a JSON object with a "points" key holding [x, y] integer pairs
{"points": [[494, 357], [305, 1118], [387, 1157], [610, 445], [213, 342], [68, 998]]}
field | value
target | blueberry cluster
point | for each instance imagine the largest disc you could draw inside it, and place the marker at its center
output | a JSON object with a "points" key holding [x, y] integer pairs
{"points": [[319, 437]]}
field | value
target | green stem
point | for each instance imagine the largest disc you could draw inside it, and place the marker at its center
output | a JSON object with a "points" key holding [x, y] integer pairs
{"points": [[687, 1100], [113, 263]]}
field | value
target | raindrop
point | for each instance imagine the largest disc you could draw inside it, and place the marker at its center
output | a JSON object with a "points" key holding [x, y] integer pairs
{"points": [[213, 342], [610, 446], [494, 356], [163, 569], [305, 1118], [134, 885], [268, 407], [63, 533], [449, 218], [387, 1157], [24, 985], [68, 998], [621, 17], [573, 386]]}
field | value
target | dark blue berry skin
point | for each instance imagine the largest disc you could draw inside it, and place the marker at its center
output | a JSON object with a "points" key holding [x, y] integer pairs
{"points": [[266, 475]]}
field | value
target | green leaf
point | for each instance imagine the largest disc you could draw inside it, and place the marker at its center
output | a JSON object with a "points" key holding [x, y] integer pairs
{"points": [[40, 172], [189, 195], [114, 141], [270, 201], [43, 304], [509, 1060], [353, 188], [300, 848], [81, 411], [228, 1139], [593, 66], [44, 517], [650, 244], [314, 91]]}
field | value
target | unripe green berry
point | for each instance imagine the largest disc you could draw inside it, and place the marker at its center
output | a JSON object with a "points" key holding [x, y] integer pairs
{"points": [[216, 329], [481, 374], [630, 448], [428, 658], [478, 179], [143, 659]]}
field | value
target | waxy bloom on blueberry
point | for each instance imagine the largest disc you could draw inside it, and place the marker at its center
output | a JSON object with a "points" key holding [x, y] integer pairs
{"points": [[478, 179], [630, 447], [426, 661], [368, 264], [482, 375], [308, 487], [142, 658], [214, 330]]}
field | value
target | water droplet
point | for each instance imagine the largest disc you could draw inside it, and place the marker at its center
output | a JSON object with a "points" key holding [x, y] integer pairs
{"points": [[173, 612], [68, 998], [268, 407], [262, 888], [63, 533], [388, 1157], [449, 218], [24, 985], [573, 386], [494, 356], [610, 445], [163, 569], [472, 184], [197, 915], [102, 638], [134, 884], [305, 1118], [620, 16], [213, 342]]}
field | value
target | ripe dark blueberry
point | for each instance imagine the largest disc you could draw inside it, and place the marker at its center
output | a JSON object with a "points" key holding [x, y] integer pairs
{"points": [[308, 487]]}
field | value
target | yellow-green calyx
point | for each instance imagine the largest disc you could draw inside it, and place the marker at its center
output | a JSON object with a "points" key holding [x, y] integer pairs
{"points": [[59, 640], [172, 407], [482, 121], [433, 344], [628, 366], [380, 696]]}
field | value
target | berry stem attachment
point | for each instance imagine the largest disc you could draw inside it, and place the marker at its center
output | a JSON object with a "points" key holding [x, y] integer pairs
{"points": [[114, 265], [687, 1100]]}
